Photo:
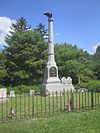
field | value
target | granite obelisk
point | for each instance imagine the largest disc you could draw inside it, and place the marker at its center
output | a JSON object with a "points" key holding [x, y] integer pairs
{"points": [[51, 82]]}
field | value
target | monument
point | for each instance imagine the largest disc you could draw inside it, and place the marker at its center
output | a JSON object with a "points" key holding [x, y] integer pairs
{"points": [[51, 82], [12, 93], [31, 92], [67, 84], [3, 94]]}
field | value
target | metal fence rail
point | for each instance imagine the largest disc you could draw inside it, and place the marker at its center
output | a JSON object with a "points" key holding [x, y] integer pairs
{"points": [[25, 106]]}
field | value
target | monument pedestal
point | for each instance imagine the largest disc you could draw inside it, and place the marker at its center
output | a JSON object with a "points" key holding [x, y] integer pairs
{"points": [[52, 85], [51, 88]]}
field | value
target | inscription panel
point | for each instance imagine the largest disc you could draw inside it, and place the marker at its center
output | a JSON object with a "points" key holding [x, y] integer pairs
{"points": [[53, 72]]}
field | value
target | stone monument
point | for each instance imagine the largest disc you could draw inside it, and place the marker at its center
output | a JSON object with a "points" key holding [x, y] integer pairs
{"points": [[51, 82], [12, 93], [3, 94], [31, 92], [67, 84]]}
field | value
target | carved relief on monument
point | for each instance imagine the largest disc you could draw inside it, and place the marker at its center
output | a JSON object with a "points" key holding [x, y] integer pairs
{"points": [[53, 72]]}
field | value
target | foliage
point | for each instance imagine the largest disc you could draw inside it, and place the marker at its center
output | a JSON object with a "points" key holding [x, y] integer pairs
{"points": [[93, 85], [97, 54], [3, 72], [25, 55], [96, 60], [23, 88], [40, 28], [73, 62], [19, 26]]}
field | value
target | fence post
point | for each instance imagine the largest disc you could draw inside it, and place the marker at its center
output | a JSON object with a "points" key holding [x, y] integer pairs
{"points": [[20, 103], [24, 105], [76, 99], [56, 101], [53, 101], [88, 99], [32, 104], [29, 103], [92, 103], [60, 101], [45, 105], [64, 99], [6, 108], [37, 104], [72, 101], [41, 105], [16, 104], [98, 98]]}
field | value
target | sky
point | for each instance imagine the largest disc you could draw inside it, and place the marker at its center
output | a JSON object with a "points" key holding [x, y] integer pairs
{"points": [[75, 21]]}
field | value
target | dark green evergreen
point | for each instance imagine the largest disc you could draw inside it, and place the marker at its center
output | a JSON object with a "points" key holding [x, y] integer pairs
{"points": [[25, 56], [40, 28]]}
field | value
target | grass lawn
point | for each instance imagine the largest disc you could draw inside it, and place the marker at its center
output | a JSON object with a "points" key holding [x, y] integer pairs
{"points": [[76, 122]]}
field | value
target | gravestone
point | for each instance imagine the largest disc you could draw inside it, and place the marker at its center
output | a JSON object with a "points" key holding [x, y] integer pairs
{"points": [[69, 80], [3, 94], [31, 93], [67, 84], [64, 80], [12, 93]]}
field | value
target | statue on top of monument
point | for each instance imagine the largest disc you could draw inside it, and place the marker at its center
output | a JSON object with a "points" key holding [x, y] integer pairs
{"points": [[49, 15]]}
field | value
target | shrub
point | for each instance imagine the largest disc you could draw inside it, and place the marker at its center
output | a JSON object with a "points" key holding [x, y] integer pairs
{"points": [[93, 85], [23, 88]]}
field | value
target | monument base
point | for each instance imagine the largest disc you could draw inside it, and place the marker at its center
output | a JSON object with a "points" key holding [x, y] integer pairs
{"points": [[50, 89], [53, 85]]}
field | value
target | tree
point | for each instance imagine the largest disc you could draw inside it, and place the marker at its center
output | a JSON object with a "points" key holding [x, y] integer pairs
{"points": [[96, 61], [73, 62], [25, 57], [41, 29], [97, 54], [20, 25], [3, 72]]}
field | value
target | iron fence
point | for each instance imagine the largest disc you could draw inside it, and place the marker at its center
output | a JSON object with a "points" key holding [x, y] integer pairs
{"points": [[24, 105]]}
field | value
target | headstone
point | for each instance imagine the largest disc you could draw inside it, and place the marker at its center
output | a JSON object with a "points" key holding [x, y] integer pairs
{"points": [[67, 84], [64, 80], [12, 93], [69, 80], [31, 93], [3, 94]]}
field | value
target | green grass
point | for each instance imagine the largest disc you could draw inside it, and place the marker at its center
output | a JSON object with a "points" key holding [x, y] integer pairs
{"points": [[77, 122]]}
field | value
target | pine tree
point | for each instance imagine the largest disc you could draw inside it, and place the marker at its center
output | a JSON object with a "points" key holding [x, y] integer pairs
{"points": [[25, 55], [41, 29], [20, 25], [97, 54], [97, 62]]}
